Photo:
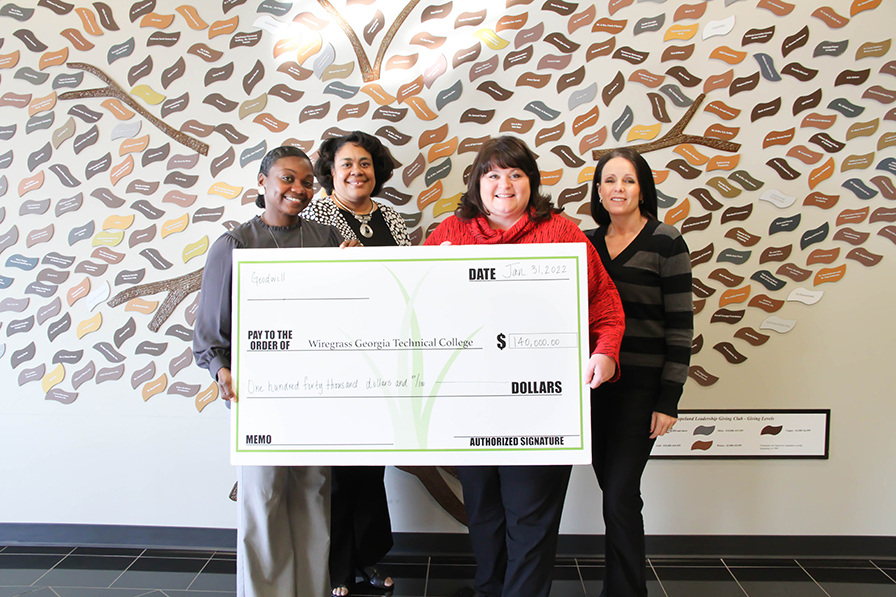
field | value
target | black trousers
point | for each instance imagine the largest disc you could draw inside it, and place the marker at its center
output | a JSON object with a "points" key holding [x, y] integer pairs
{"points": [[513, 515], [621, 445], [360, 527]]}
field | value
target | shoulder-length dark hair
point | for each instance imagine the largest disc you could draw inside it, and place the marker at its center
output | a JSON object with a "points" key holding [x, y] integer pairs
{"points": [[272, 157], [645, 181], [379, 153], [505, 152]]}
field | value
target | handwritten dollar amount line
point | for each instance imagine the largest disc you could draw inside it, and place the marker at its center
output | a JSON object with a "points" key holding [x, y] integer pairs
{"points": [[562, 340]]}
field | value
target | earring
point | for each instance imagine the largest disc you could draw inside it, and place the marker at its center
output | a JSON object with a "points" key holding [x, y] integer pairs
{"points": [[261, 191]]}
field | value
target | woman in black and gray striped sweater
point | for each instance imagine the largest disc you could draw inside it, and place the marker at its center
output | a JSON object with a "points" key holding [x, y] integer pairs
{"points": [[649, 262]]}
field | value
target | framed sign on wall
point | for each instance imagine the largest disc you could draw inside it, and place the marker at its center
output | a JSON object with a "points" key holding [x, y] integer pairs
{"points": [[745, 434]]}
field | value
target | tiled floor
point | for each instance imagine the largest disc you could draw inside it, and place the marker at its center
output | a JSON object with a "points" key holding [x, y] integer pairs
{"points": [[125, 572]]}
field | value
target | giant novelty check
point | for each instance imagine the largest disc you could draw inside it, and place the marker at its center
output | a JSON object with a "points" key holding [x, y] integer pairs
{"points": [[411, 356]]}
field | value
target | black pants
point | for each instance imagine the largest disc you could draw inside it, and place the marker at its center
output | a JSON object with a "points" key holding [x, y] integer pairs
{"points": [[513, 515], [360, 527], [621, 444]]}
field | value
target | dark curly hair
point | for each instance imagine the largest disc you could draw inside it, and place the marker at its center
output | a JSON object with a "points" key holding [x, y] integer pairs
{"points": [[383, 165], [648, 204], [272, 157], [505, 152]]}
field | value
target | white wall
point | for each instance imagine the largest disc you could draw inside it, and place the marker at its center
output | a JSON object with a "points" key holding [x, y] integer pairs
{"points": [[112, 458]]}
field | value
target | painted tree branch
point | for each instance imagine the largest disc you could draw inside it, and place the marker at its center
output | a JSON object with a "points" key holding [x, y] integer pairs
{"points": [[434, 483], [390, 35], [676, 136], [370, 73], [113, 90], [178, 289]]}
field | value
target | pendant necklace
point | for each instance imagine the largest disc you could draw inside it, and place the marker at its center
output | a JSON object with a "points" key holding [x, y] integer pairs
{"points": [[363, 219]]}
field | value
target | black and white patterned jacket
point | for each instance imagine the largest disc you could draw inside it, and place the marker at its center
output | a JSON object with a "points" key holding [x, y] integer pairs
{"points": [[325, 211]]}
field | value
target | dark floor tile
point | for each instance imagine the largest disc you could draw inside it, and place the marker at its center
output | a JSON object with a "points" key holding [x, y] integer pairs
{"points": [[593, 573], [770, 574], [708, 578], [760, 562], [447, 575], [706, 588], [567, 588], [108, 551], [834, 563], [95, 592], [38, 550], [160, 573], [225, 555], [450, 587], [858, 590], [446, 580], [406, 559], [693, 574], [447, 587], [891, 574], [453, 560], [86, 571], [29, 591], [396, 570], [851, 575], [686, 562], [171, 593], [594, 587], [452, 571], [593, 580], [184, 565], [151, 580], [182, 554], [14, 591], [782, 589], [218, 575], [25, 569], [853, 582], [562, 572]]}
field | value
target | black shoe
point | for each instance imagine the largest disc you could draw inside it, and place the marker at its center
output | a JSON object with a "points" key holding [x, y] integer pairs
{"points": [[376, 578]]}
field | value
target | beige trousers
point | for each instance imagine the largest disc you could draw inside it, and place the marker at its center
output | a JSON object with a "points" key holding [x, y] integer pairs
{"points": [[283, 531]]}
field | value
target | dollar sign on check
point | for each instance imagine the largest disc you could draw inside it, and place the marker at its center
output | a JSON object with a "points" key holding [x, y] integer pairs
{"points": [[501, 343]]}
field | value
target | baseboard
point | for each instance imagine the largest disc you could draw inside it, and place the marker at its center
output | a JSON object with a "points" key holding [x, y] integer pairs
{"points": [[108, 535], [458, 544]]}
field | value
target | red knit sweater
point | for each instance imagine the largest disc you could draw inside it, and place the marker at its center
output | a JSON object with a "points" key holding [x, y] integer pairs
{"points": [[606, 321]]}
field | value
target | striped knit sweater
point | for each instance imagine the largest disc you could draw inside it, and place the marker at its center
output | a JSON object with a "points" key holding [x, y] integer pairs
{"points": [[653, 276], [605, 318]]}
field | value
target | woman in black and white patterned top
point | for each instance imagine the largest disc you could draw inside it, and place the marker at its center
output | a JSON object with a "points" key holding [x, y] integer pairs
{"points": [[352, 169]]}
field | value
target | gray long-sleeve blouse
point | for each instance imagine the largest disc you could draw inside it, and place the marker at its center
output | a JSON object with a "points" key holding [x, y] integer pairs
{"points": [[211, 331]]}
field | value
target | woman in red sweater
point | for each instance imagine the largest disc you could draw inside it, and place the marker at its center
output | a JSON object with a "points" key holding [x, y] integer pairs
{"points": [[513, 512]]}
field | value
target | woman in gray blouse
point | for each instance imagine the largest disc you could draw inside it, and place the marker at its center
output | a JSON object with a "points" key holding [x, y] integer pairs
{"points": [[283, 512]]}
